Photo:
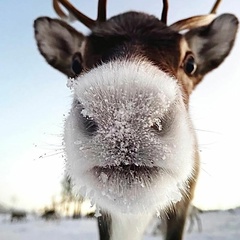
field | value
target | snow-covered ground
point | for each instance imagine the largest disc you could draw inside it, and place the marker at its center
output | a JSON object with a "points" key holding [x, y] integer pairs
{"points": [[222, 225]]}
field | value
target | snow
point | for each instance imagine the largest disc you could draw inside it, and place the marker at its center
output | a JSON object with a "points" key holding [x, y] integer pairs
{"points": [[221, 225]]}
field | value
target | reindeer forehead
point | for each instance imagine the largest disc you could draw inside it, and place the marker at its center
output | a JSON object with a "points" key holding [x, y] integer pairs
{"points": [[133, 23], [135, 34]]}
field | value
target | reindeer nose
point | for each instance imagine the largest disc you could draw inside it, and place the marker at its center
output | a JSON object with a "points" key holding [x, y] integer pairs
{"points": [[128, 150]]}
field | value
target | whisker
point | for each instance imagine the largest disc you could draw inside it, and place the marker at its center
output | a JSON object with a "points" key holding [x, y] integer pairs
{"points": [[47, 155], [207, 131]]}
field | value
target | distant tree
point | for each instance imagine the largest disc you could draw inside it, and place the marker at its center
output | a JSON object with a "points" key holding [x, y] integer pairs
{"points": [[67, 195], [70, 198], [67, 188]]}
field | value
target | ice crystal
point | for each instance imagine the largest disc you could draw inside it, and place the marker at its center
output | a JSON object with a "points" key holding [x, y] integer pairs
{"points": [[70, 83], [97, 212], [124, 121]]}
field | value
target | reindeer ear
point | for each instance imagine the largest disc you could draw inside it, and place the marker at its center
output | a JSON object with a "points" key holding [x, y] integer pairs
{"points": [[60, 45], [211, 44]]}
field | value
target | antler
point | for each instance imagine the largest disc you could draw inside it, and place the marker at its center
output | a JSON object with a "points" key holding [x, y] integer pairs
{"points": [[192, 22], [88, 22], [196, 21], [215, 6], [102, 11], [164, 11]]}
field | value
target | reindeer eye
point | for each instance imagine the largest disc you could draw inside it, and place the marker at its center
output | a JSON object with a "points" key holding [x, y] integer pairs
{"points": [[189, 65], [77, 64]]}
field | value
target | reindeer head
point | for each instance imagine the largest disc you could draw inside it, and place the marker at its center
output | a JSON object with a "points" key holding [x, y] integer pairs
{"points": [[130, 144]]}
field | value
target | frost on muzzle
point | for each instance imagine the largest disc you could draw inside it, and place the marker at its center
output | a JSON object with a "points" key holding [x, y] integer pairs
{"points": [[122, 135]]}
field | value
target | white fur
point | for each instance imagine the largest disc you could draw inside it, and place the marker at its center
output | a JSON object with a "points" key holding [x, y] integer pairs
{"points": [[129, 227], [125, 98]]}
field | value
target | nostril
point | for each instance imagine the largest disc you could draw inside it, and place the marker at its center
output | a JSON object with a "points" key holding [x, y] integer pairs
{"points": [[163, 125], [157, 125], [90, 125]]}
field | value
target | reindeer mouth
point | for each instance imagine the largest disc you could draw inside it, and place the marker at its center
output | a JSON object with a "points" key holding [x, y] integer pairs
{"points": [[131, 174]]}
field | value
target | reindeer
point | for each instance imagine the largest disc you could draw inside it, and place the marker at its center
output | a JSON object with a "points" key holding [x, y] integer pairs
{"points": [[50, 214], [17, 215], [129, 140]]}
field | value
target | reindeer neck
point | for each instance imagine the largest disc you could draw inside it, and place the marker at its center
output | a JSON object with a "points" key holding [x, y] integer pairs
{"points": [[125, 226]]}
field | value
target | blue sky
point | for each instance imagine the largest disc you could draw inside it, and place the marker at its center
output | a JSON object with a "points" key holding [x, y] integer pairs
{"points": [[34, 101]]}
